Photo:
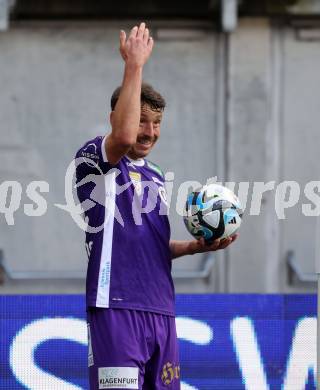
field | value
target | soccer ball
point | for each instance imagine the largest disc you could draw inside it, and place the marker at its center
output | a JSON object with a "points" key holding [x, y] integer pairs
{"points": [[212, 212]]}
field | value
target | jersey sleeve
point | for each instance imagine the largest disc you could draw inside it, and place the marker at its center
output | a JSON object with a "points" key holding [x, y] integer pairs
{"points": [[91, 158], [91, 168]]}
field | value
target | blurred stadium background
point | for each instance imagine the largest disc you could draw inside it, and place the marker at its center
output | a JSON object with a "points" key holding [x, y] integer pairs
{"points": [[242, 84]]}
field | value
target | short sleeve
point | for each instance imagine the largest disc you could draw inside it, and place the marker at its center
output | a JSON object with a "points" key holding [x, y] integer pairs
{"points": [[91, 166], [91, 158]]}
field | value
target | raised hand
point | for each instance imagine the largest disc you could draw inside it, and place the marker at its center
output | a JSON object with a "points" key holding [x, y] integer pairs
{"points": [[137, 48]]}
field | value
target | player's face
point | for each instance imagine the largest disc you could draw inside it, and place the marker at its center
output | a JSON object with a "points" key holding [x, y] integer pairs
{"points": [[148, 134]]}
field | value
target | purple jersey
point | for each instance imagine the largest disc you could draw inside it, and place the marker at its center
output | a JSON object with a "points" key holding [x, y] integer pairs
{"points": [[127, 238]]}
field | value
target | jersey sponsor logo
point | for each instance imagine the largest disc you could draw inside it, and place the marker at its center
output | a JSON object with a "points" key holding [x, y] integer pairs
{"points": [[90, 153], [91, 146], [136, 181], [169, 373], [118, 377]]}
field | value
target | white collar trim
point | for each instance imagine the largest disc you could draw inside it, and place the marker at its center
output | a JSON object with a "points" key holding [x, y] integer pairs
{"points": [[138, 162]]}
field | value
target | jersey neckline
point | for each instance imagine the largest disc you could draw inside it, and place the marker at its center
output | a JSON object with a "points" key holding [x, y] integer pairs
{"points": [[140, 162]]}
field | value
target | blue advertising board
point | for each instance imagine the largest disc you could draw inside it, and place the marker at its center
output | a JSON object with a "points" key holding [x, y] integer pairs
{"points": [[243, 342]]}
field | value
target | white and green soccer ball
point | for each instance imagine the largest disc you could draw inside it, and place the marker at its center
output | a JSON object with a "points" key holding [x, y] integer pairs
{"points": [[212, 212]]}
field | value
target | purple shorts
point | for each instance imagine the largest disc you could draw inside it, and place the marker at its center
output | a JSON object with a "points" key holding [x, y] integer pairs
{"points": [[131, 349]]}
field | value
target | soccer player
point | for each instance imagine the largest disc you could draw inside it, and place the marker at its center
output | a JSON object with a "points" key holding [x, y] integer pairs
{"points": [[130, 293]]}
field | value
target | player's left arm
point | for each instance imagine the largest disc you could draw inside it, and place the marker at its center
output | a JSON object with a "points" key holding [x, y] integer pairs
{"points": [[183, 248]]}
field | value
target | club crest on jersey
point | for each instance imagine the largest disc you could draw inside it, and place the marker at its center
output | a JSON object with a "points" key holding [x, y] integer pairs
{"points": [[136, 181]]}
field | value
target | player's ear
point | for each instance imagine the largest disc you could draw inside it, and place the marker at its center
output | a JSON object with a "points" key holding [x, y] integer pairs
{"points": [[111, 117]]}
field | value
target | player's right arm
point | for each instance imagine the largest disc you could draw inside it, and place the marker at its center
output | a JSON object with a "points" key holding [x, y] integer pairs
{"points": [[125, 118]]}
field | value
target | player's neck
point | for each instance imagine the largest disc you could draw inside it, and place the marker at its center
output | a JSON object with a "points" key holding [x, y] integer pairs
{"points": [[132, 157]]}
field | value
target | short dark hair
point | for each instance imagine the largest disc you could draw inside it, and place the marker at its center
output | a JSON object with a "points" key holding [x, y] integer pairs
{"points": [[149, 96]]}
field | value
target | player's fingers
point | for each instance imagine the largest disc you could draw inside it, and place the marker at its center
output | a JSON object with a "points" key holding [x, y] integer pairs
{"points": [[141, 30], [146, 36], [133, 32], [234, 237], [122, 39], [215, 245], [204, 246], [224, 243], [150, 43], [201, 241]]}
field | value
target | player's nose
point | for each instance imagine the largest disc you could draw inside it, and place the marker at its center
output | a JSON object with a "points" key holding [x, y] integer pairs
{"points": [[148, 129]]}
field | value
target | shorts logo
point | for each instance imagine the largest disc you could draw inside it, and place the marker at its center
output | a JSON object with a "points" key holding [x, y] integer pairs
{"points": [[169, 373], [118, 377]]}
